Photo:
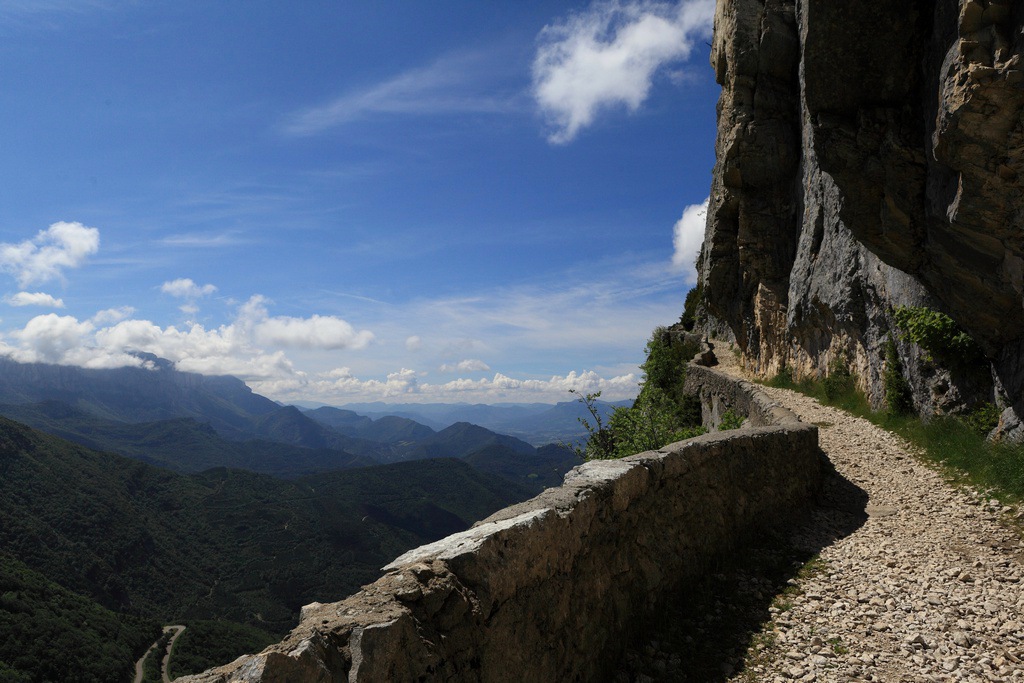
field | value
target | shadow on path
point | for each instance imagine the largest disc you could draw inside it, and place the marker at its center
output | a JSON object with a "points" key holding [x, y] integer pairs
{"points": [[704, 632]]}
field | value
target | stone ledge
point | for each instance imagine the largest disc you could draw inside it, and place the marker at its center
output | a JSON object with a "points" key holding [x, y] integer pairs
{"points": [[551, 588]]}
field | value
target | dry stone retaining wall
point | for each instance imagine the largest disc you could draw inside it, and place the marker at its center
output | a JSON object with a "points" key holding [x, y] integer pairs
{"points": [[550, 589]]}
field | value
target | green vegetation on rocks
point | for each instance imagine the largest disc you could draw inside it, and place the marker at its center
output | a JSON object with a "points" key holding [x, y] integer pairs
{"points": [[662, 412], [898, 397], [956, 443], [693, 300], [942, 339]]}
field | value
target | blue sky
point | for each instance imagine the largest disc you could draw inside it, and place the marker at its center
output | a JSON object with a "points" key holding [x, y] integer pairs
{"points": [[350, 201]]}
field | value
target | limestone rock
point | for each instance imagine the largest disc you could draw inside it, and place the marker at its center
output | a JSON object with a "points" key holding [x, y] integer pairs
{"points": [[869, 155]]}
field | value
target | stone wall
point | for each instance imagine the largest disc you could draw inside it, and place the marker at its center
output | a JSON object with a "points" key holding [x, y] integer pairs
{"points": [[551, 589]]}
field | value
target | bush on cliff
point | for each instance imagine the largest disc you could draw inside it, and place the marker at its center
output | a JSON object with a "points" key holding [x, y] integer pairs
{"points": [[662, 412], [942, 339], [693, 298]]}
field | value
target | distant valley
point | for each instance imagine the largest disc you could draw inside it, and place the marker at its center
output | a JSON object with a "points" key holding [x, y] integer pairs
{"points": [[156, 496]]}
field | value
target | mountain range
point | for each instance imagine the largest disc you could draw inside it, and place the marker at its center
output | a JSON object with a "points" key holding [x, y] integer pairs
{"points": [[135, 497], [536, 423], [188, 423]]}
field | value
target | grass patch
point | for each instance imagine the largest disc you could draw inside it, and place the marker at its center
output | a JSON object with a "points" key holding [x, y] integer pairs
{"points": [[959, 445]]}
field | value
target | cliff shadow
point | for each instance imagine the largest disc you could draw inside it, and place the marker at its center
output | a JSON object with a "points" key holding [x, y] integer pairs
{"points": [[712, 627]]}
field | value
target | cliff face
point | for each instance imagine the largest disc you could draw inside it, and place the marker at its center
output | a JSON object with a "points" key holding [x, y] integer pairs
{"points": [[870, 155]]}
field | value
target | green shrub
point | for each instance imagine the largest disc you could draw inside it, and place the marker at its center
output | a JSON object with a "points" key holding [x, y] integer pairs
{"points": [[600, 444], [693, 297], [838, 381], [938, 334], [647, 426], [730, 420], [898, 400], [782, 380], [662, 412], [983, 419]]}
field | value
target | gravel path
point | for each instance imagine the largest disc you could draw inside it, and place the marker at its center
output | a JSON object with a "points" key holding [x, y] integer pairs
{"points": [[929, 588]]}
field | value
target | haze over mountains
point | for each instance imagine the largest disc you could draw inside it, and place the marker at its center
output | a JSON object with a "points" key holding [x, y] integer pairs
{"points": [[189, 422], [536, 423], [162, 509]]}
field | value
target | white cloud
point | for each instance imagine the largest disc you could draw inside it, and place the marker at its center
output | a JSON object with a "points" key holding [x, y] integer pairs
{"points": [[608, 55], [468, 365], [63, 340], [339, 386], [687, 237], [43, 258], [112, 315], [203, 240], [325, 332], [52, 336], [315, 332], [34, 299], [449, 85], [239, 348], [185, 288], [413, 343]]}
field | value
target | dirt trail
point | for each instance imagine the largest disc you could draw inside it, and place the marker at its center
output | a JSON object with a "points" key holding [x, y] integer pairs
{"points": [[139, 665], [929, 588]]}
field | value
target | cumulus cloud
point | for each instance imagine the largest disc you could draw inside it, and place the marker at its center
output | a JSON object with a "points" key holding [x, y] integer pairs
{"points": [[325, 332], [413, 343], [34, 299], [238, 348], [687, 237], [63, 340], [607, 56], [468, 365], [185, 288], [44, 257], [315, 332]]}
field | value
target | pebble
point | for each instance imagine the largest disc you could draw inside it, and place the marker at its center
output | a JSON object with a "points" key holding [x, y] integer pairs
{"points": [[927, 589]]}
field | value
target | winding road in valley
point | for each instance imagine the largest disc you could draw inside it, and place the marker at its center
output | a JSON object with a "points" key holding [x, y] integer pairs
{"points": [[140, 665]]}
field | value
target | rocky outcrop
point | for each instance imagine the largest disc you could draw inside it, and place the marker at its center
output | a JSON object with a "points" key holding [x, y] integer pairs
{"points": [[551, 589], [870, 155]]}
